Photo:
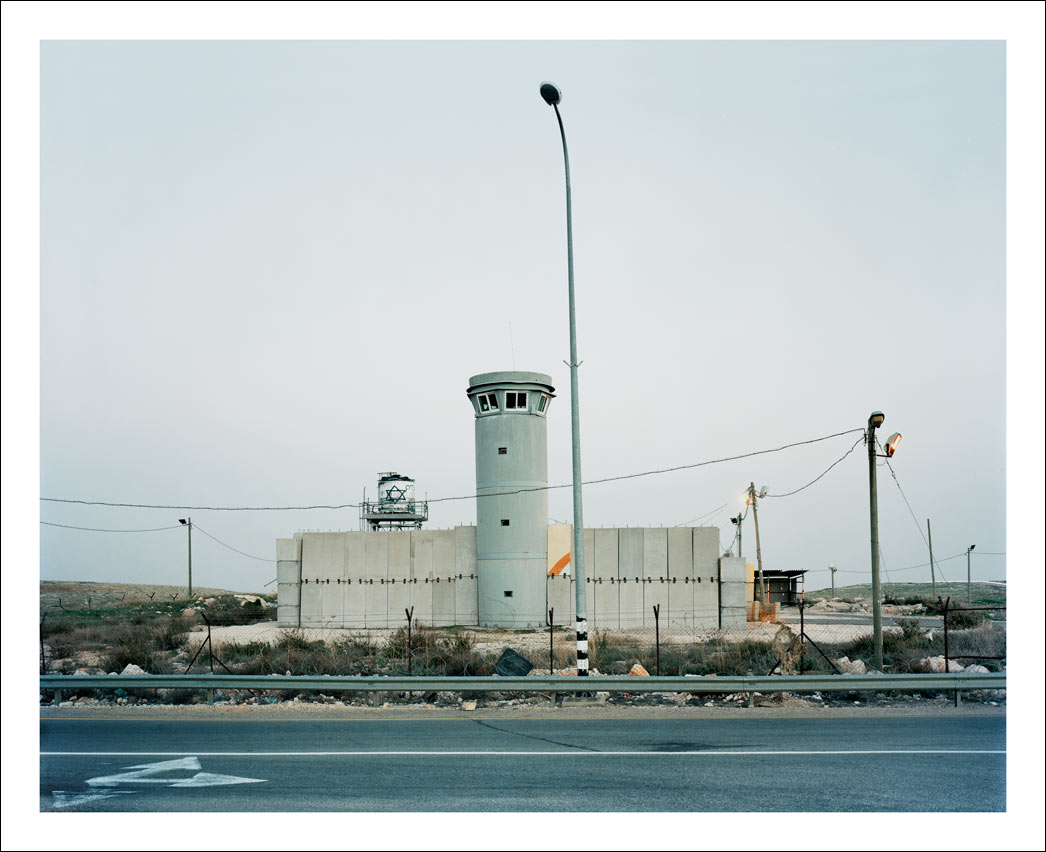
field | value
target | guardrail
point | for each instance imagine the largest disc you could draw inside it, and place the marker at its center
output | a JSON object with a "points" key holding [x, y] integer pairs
{"points": [[957, 681]]}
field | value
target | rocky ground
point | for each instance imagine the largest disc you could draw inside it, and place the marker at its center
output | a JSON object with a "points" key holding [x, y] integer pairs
{"points": [[79, 595]]}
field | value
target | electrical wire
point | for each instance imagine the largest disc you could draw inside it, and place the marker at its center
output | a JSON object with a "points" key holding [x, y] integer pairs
{"points": [[500, 493], [229, 546], [95, 529], [812, 481], [912, 567], [705, 515]]}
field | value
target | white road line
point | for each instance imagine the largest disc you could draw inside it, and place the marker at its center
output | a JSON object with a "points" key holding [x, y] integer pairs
{"points": [[559, 752]]}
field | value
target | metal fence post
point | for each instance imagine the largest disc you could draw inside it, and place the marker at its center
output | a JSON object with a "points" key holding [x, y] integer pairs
{"points": [[43, 651], [551, 652], [802, 632], [657, 638], [410, 665]]}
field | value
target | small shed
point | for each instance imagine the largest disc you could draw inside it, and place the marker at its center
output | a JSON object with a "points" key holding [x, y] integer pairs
{"points": [[781, 586]]}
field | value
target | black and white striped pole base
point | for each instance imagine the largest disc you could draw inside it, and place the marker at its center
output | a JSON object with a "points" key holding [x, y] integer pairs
{"points": [[582, 647]]}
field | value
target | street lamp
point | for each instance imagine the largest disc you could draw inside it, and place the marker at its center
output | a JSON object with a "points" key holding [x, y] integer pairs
{"points": [[187, 522], [552, 96], [969, 593], [737, 522], [875, 420]]}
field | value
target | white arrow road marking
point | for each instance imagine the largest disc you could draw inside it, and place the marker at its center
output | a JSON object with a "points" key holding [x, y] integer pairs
{"points": [[144, 771], [62, 799], [209, 779], [143, 774]]}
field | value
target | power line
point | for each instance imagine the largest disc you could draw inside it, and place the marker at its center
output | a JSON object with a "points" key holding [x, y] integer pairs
{"points": [[705, 515], [912, 567], [95, 529], [812, 481], [223, 544], [500, 493]]}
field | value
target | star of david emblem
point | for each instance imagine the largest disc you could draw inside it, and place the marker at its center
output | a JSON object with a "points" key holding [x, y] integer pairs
{"points": [[395, 494]]}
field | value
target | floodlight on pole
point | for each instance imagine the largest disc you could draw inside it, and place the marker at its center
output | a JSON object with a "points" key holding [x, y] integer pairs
{"points": [[552, 96], [969, 591], [187, 522]]}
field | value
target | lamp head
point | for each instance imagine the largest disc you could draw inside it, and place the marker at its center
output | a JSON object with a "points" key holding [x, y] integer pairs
{"points": [[550, 92], [875, 419], [891, 444], [972, 546], [182, 521]]}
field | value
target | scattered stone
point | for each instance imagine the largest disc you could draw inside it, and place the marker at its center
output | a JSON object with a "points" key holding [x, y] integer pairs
{"points": [[977, 668], [936, 664], [132, 669], [638, 671], [468, 705]]}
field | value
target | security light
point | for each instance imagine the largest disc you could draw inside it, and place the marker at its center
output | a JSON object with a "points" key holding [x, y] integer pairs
{"points": [[550, 92], [891, 444]]}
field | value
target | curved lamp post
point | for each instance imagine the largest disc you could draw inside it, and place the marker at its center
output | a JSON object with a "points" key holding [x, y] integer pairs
{"points": [[552, 96]]}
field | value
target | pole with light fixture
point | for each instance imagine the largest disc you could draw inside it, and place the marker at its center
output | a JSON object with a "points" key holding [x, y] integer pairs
{"points": [[187, 522], [552, 96], [875, 420], [737, 522], [969, 592], [763, 600]]}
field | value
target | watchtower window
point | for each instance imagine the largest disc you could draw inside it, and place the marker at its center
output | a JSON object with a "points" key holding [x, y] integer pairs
{"points": [[542, 402], [504, 522], [515, 399], [488, 402], [502, 451], [508, 593]]}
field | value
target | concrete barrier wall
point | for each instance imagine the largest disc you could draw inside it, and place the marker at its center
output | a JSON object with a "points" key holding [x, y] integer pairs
{"points": [[369, 579]]}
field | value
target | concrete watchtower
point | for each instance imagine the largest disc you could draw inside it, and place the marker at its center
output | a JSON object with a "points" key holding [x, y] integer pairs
{"points": [[511, 522]]}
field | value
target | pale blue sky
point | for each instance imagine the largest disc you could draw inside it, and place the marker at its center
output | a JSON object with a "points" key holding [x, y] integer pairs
{"points": [[269, 268]]}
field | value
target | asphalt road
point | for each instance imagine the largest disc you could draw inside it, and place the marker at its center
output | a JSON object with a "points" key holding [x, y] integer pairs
{"points": [[519, 762]]}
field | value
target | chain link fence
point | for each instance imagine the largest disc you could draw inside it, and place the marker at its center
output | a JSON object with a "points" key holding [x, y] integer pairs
{"points": [[238, 634]]}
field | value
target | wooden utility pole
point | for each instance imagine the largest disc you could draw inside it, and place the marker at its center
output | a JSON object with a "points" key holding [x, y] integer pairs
{"points": [[758, 550]]}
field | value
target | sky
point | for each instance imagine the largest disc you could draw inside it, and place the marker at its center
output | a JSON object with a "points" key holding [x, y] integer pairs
{"points": [[268, 270], [257, 273]]}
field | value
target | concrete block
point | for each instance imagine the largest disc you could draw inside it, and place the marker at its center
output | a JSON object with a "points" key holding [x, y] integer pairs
{"points": [[733, 618], [630, 576], [466, 591], [442, 564], [288, 594], [287, 616], [706, 552], [606, 611], [288, 550], [655, 574], [561, 598], [288, 572]]}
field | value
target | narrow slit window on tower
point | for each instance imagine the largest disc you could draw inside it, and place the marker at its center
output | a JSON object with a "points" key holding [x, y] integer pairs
{"points": [[508, 593], [483, 404], [504, 522], [502, 451], [542, 402], [492, 398]]}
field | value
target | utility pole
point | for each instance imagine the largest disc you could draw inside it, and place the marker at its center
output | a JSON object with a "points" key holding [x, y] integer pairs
{"points": [[832, 569], [187, 522], [933, 576], [737, 522], [874, 421], [758, 550], [969, 592]]}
